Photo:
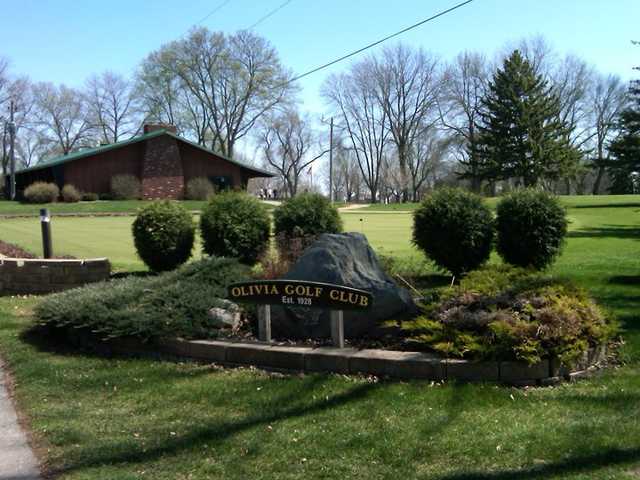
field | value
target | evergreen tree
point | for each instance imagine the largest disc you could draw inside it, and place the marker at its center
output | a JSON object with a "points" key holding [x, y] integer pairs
{"points": [[521, 134], [625, 149]]}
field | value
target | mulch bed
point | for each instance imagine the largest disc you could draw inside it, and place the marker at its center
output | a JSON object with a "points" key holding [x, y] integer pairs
{"points": [[14, 251]]}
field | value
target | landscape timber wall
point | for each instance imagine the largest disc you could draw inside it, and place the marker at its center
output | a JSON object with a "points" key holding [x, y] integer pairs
{"points": [[350, 361], [19, 276]]}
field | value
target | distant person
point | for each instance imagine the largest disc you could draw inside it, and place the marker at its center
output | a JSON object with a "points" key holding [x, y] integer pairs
{"points": [[275, 194]]}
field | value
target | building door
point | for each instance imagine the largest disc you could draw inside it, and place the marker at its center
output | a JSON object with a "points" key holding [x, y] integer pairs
{"points": [[221, 182]]}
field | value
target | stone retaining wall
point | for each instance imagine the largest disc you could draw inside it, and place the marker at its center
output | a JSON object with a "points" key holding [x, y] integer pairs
{"points": [[385, 363], [28, 276]]}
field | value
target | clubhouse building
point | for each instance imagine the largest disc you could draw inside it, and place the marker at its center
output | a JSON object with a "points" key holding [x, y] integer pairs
{"points": [[163, 162]]}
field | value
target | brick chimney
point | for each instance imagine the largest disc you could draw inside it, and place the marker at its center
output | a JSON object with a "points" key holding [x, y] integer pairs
{"points": [[162, 175], [152, 127]]}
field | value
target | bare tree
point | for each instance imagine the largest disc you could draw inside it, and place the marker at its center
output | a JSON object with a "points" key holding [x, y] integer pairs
{"points": [[346, 173], [607, 101], [235, 80], [407, 89], [537, 50], [31, 147], [159, 91], [287, 141], [16, 90], [62, 117], [464, 85], [425, 159], [365, 122], [112, 107], [392, 183]]}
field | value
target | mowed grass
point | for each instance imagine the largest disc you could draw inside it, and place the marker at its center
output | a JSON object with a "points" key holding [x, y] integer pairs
{"points": [[10, 208], [81, 237], [100, 206], [100, 418], [569, 201], [103, 418]]}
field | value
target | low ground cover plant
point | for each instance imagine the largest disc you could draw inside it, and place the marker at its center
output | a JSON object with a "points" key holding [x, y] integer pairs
{"points": [[199, 188], [41, 192], [70, 194], [508, 313], [300, 220], [454, 228], [163, 234], [173, 304], [237, 225], [531, 228], [125, 187]]}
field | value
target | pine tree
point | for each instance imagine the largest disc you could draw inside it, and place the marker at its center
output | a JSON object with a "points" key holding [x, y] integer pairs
{"points": [[625, 149], [521, 134]]}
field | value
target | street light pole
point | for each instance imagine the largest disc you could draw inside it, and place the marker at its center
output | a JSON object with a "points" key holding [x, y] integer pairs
{"points": [[331, 199], [12, 158]]}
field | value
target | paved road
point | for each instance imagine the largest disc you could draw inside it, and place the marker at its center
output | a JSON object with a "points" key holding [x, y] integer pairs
{"points": [[17, 461]]}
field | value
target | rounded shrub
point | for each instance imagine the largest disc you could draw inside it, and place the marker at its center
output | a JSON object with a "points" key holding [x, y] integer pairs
{"points": [[199, 188], [306, 214], [234, 224], [163, 233], [125, 187], [89, 197], [300, 220], [70, 194], [41, 192], [454, 228], [531, 226]]}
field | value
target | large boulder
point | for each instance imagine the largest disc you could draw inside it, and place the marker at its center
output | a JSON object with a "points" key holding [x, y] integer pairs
{"points": [[342, 259]]}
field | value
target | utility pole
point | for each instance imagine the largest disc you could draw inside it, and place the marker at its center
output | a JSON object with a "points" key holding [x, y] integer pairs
{"points": [[12, 157], [331, 199]]}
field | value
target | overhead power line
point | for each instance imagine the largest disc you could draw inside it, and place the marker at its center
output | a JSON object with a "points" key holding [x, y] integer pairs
{"points": [[215, 10], [378, 42], [272, 12]]}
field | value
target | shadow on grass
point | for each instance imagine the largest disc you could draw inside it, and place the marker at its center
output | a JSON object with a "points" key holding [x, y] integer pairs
{"points": [[579, 464], [608, 205], [606, 231], [625, 280], [217, 433]]}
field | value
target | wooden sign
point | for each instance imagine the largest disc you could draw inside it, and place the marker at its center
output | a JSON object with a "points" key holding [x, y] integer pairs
{"points": [[297, 293]]}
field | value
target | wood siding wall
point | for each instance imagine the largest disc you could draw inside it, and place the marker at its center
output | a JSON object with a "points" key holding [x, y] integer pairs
{"points": [[197, 163], [94, 173]]}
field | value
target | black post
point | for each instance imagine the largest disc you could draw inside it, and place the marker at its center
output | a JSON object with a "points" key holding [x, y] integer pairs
{"points": [[45, 223]]}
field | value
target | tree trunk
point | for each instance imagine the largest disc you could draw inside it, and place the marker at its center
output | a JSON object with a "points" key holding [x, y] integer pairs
{"points": [[476, 184], [374, 195], [596, 184]]}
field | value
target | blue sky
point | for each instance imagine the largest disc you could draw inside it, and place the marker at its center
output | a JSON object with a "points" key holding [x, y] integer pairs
{"points": [[65, 41]]}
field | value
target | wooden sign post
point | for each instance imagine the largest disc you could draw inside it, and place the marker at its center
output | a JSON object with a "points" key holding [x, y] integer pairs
{"points": [[297, 293]]}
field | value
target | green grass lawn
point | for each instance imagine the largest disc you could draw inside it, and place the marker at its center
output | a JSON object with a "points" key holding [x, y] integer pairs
{"points": [[570, 201], [101, 206], [82, 237], [101, 418]]}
